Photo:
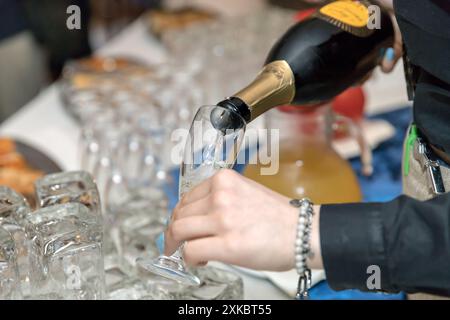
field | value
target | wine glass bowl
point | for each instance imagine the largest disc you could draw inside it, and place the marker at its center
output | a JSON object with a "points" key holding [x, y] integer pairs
{"points": [[207, 150]]}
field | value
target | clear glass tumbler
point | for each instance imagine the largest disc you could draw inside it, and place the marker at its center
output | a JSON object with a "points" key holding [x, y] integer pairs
{"points": [[9, 272], [13, 209], [66, 253], [65, 187]]}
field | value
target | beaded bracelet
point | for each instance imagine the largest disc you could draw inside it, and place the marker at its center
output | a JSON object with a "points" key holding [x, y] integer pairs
{"points": [[303, 245]]}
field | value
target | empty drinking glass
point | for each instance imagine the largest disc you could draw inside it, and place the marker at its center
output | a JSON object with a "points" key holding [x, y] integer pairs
{"points": [[65, 187], [91, 136], [13, 208], [9, 272], [66, 253], [217, 284], [138, 230], [12, 205], [132, 288]]}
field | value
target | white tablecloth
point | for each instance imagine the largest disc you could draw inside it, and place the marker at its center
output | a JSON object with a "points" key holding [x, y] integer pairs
{"points": [[44, 123]]}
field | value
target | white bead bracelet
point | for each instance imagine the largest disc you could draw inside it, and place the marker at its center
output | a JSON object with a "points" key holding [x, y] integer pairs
{"points": [[303, 245]]}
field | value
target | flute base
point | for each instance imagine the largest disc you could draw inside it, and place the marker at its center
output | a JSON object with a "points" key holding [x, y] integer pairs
{"points": [[170, 267]]}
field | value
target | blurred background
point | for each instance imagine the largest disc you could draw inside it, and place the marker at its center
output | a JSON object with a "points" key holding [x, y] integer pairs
{"points": [[35, 43]]}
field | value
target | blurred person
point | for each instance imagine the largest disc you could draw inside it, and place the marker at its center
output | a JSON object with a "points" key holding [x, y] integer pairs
{"points": [[34, 45], [22, 62], [232, 219], [47, 19]]}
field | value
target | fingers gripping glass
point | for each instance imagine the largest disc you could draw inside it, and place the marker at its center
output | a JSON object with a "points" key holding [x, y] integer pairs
{"points": [[213, 143]]}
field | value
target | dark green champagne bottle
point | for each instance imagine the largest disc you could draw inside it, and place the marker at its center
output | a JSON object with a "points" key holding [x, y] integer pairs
{"points": [[315, 60]]}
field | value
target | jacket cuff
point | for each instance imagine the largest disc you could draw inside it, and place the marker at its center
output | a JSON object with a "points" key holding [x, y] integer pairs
{"points": [[352, 240]]}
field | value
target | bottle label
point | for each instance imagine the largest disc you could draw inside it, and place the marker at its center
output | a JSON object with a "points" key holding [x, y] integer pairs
{"points": [[351, 16]]}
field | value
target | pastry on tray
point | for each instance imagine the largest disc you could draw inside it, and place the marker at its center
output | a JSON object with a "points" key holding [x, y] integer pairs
{"points": [[161, 21], [88, 72], [20, 179], [105, 64], [15, 172]]}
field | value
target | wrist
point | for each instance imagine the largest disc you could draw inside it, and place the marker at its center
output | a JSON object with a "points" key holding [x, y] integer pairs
{"points": [[314, 260], [304, 255]]}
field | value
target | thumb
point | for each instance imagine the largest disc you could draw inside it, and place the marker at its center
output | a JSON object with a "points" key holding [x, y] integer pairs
{"points": [[394, 53], [389, 60]]}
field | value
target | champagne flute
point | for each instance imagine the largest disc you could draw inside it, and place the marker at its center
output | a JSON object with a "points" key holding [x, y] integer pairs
{"points": [[207, 150]]}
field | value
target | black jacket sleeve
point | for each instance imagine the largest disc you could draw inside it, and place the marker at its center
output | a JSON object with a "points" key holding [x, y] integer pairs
{"points": [[407, 239]]}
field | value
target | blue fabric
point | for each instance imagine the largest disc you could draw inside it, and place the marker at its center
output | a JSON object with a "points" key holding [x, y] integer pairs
{"points": [[322, 291], [384, 185], [386, 182]]}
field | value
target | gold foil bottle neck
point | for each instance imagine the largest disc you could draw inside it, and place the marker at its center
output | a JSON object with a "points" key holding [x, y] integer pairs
{"points": [[274, 86]]}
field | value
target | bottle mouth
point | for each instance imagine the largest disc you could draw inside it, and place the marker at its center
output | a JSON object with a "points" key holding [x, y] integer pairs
{"points": [[238, 106], [225, 118]]}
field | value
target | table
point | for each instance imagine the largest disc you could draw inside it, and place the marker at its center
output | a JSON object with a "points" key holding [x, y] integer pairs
{"points": [[44, 123]]}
